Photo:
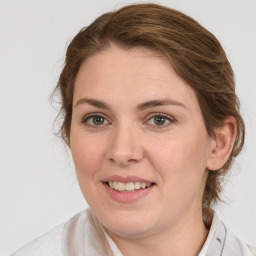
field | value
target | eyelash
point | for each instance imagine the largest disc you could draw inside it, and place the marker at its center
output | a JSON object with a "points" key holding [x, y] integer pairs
{"points": [[161, 115], [86, 118], [153, 115]]}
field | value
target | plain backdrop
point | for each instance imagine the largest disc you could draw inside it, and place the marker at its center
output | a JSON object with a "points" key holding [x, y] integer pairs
{"points": [[38, 187]]}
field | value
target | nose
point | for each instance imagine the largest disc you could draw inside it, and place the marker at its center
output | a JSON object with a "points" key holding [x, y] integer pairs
{"points": [[125, 146]]}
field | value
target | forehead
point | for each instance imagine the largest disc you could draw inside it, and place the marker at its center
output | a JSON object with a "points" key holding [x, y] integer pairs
{"points": [[126, 75]]}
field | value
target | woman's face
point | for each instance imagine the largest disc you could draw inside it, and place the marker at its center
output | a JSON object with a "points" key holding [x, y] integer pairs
{"points": [[136, 123]]}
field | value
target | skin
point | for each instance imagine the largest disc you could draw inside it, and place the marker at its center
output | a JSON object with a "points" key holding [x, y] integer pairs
{"points": [[174, 154]]}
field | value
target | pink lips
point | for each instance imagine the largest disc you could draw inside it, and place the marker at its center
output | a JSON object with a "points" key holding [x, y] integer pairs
{"points": [[127, 196]]}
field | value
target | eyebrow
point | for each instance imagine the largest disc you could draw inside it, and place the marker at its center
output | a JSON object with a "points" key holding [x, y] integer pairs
{"points": [[140, 107], [95, 103], [156, 103]]}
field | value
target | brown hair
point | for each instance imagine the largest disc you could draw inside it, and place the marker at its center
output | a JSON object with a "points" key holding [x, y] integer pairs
{"points": [[195, 54]]}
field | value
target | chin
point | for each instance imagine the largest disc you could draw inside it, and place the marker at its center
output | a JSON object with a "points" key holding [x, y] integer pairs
{"points": [[129, 225], [130, 231]]}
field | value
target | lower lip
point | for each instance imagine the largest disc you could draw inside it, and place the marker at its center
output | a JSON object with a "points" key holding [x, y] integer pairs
{"points": [[127, 197]]}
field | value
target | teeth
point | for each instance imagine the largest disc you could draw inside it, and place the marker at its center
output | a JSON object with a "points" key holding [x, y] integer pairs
{"points": [[137, 185], [130, 186], [143, 185], [115, 185], [111, 184], [121, 186]]}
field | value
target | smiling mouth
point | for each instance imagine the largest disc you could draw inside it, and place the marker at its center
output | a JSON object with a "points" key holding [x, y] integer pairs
{"points": [[129, 186]]}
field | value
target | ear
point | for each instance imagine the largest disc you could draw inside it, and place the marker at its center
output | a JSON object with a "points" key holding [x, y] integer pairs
{"points": [[222, 144]]}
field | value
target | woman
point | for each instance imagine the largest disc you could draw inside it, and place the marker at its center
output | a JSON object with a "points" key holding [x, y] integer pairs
{"points": [[152, 120]]}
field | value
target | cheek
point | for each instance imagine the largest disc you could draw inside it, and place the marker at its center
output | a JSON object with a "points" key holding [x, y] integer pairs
{"points": [[181, 170], [87, 156], [181, 163]]}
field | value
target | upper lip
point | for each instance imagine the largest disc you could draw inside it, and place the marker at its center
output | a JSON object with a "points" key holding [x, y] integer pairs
{"points": [[125, 179]]}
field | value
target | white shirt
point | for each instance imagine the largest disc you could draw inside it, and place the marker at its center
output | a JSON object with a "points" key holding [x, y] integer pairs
{"points": [[84, 235]]}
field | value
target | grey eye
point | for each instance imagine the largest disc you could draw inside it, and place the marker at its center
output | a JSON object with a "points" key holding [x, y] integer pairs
{"points": [[98, 120], [159, 120], [95, 120]]}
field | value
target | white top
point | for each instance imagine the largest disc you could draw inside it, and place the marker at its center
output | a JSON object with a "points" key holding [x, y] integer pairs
{"points": [[84, 235]]}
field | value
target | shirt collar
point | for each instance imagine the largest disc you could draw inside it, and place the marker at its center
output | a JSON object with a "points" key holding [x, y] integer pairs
{"points": [[85, 235]]}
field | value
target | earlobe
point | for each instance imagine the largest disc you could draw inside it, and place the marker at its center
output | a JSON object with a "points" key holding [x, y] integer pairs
{"points": [[223, 144]]}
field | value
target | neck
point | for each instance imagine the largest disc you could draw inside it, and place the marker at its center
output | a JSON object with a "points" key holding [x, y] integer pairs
{"points": [[186, 238]]}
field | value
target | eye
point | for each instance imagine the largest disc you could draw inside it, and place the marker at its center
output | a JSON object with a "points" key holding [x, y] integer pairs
{"points": [[95, 120], [160, 120]]}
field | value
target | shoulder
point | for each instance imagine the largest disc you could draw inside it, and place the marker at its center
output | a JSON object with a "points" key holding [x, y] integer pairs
{"points": [[233, 245], [46, 245], [50, 243], [222, 241], [252, 250]]}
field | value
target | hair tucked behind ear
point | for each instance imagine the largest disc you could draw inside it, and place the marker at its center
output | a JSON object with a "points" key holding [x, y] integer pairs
{"points": [[195, 54]]}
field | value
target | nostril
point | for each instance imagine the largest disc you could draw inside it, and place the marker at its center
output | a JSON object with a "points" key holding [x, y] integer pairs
{"points": [[121, 161]]}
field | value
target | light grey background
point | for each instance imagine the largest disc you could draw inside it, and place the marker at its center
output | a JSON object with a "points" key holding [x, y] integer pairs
{"points": [[38, 187]]}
